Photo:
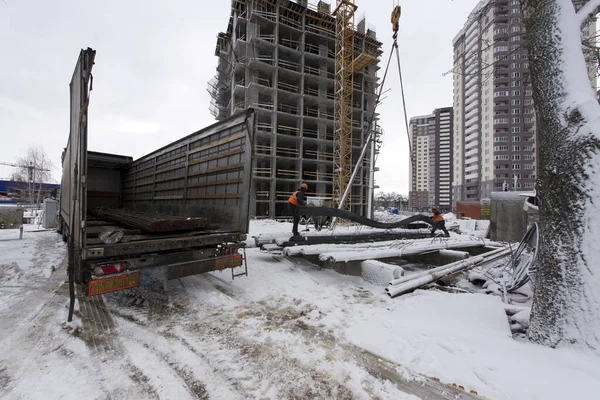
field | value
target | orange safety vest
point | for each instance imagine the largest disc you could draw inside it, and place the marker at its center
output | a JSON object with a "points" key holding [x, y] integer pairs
{"points": [[437, 218], [294, 198]]}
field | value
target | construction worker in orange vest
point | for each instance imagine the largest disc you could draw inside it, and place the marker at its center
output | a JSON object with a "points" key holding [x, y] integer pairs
{"points": [[295, 202], [438, 221]]}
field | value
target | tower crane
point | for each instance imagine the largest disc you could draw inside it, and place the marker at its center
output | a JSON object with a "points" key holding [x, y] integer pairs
{"points": [[30, 168], [347, 62], [343, 174]]}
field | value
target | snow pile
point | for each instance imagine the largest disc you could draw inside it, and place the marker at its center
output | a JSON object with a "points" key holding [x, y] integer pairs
{"points": [[379, 273], [466, 339], [473, 227], [388, 217]]}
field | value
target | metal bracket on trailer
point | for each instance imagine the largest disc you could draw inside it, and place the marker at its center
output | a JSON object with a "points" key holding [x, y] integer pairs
{"points": [[233, 274]]}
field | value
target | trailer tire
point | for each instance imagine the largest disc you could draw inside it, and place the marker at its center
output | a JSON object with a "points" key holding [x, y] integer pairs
{"points": [[65, 232]]}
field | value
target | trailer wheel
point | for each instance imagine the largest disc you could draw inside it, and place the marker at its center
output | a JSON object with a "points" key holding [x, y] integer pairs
{"points": [[65, 232]]}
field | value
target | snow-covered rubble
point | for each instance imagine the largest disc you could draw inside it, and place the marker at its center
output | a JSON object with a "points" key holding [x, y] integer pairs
{"points": [[289, 330]]}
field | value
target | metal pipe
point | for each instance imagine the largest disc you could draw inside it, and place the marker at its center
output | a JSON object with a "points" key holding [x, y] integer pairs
{"points": [[371, 192], [432, 276], [488, 257], [454, 254], [367, 254]]}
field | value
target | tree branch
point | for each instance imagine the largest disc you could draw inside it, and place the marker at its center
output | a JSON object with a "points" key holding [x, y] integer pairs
{"points": [[587, 9]]}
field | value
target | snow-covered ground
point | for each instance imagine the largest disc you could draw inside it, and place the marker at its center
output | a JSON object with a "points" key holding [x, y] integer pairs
{"points": [[290, 330]]}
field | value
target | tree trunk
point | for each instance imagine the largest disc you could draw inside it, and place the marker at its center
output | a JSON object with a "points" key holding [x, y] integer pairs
{"points": [[566, 305]]}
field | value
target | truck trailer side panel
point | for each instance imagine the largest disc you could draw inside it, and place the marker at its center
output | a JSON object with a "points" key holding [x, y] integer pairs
{"points": [[206, 174], [73, 191]]}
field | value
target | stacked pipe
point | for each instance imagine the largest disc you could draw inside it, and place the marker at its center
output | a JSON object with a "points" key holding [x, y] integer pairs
{"points": [[152, 223], [407, 284]]}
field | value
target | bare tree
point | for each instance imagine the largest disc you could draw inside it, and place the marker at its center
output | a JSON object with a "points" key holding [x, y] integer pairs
{"points": [[566, 307], [36, 166]]}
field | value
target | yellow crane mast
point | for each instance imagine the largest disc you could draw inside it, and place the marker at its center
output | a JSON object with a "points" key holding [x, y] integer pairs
{"points": [[343, 90]]}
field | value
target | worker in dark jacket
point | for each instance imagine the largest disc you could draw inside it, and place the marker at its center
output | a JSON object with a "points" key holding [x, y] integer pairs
{"points": [[295, 202], [438, 221]]}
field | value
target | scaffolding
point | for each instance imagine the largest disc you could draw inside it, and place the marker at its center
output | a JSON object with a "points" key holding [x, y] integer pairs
{"points": [[279, 57], [343, 93]]}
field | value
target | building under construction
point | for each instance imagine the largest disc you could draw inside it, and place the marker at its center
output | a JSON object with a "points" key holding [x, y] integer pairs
{"points": [[312, 79]]}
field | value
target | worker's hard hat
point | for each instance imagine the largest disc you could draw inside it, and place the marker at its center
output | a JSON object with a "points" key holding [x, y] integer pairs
{"points": [[304, 186]]}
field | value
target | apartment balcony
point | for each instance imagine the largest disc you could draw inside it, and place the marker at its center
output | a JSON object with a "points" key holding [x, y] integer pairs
{"points": [[472, 159], [472, 127], [472, 95], [471, 113], [472, 144], [501, 33], [473, 175], [472, 31], [472, 191], [471, 84], [472, 152], [502, 80]]}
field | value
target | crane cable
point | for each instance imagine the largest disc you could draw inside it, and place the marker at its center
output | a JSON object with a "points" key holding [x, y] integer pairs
{"points": [[395, 23], [395, 26]]}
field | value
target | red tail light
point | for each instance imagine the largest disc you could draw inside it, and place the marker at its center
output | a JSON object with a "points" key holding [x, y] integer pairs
{"points": [[110, 269]]}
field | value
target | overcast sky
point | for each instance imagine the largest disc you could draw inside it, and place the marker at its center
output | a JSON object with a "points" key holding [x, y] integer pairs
{"points": [[153, 62]]}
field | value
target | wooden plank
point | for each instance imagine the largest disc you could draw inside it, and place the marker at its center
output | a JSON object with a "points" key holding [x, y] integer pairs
{"points": [[216, 196], [216, 183], [219, 142], [219, 169], [167, 169], [217, 156], [168, 197]]}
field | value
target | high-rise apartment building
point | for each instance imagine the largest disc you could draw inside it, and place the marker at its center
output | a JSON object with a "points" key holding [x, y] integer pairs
{"points": [[494, 143], [278, 57], [431, 164]]}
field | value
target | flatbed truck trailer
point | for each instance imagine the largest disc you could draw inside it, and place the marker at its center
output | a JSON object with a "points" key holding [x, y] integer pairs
{"points": [[206, 174]]}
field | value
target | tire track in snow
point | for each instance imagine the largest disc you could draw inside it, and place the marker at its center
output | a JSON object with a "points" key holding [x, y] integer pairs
{"points": [[176, 358], [253, 367]]}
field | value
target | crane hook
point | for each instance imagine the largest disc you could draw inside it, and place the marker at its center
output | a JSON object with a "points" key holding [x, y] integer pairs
{"points": [[396, 18]]}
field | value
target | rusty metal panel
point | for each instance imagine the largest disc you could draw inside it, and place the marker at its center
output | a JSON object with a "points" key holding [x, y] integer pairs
{"points": [[208, 265], [206, 174]]}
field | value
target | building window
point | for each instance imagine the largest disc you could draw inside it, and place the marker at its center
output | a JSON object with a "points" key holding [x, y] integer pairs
{"points": [[515, 74], [516, 157], [516, 138], [516, 92], [516, 120], [515, 84], [516, 111], [516, 148], [516, 129], [516, 102]]}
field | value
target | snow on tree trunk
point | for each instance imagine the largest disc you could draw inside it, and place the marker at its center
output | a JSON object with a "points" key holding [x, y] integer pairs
{"points": [[566, 307]]}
